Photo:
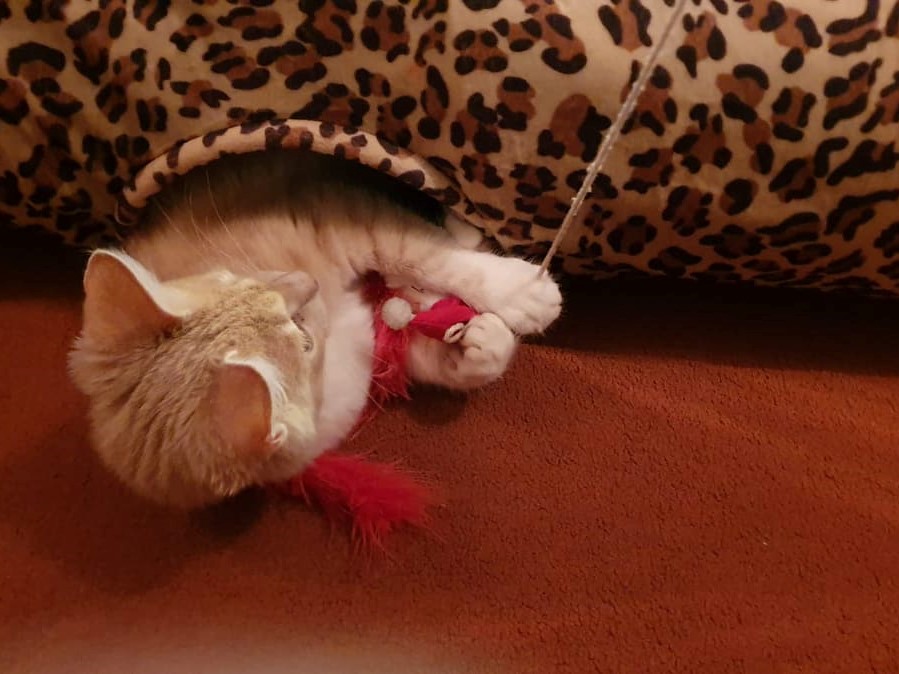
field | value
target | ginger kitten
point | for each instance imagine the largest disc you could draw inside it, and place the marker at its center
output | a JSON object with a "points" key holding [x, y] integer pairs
{"points": [[228, 343]]}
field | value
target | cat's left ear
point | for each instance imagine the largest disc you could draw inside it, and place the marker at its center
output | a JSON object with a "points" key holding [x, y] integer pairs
{"points": [[123, 303]]}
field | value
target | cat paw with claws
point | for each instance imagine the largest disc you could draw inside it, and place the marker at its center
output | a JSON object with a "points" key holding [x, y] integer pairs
{"points": [[485, 351]]}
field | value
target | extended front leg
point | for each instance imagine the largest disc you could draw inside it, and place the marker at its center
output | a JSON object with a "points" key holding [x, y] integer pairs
{"points": [[527, 300]]}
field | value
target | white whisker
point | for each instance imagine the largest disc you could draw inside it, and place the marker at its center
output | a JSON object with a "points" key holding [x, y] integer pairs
{"points": [[171, 222], [210, 245], [250, 264]]}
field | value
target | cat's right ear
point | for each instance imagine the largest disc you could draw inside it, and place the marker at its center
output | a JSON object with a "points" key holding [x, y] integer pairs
{"points": [[121, 303]]}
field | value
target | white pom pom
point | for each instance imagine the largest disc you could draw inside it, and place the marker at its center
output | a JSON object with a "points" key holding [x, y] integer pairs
{"points": [[396, 313]]}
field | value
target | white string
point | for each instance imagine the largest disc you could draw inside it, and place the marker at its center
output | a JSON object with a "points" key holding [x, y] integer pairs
{"points": [[608, 142]]}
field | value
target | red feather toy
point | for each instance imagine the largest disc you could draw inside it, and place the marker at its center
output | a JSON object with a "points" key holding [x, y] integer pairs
{"points": [[374, 499]]}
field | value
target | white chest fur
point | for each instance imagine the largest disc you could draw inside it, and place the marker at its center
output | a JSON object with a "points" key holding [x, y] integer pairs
{"points": [[347, 368]]}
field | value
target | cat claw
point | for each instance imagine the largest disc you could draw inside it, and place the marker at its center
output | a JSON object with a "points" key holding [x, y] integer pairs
{"points": [[487, 346]]}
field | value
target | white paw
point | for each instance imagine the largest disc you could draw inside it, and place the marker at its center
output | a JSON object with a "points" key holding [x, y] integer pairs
{"points": [[486, 349], [527, 300]]}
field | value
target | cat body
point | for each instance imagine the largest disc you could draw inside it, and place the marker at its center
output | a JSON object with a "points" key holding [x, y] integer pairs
{"points": [[230, 343]]}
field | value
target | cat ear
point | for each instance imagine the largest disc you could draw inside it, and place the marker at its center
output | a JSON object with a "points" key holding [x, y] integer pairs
{"points": [[246, 393], [296, 287], [121, 304], [242, 407]]}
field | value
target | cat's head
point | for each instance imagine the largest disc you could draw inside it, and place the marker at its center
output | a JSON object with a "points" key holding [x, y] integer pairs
{"points": [[203, 386]]}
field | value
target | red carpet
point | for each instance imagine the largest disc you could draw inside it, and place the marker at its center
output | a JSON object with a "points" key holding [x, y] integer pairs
{"points": [[706, 481]]}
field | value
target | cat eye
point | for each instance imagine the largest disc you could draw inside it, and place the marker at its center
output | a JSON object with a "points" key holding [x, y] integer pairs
{"points": [[308, 342]]}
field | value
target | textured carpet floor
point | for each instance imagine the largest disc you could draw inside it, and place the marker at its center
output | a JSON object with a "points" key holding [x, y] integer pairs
{"points": [[700, 481]]}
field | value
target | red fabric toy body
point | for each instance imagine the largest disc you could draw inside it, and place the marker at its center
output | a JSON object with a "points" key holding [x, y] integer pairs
{"points": [[372, 498]]}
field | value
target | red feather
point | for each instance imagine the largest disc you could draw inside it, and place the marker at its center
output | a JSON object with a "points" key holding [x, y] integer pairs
{"points": [[389, 376], [373, 498]]}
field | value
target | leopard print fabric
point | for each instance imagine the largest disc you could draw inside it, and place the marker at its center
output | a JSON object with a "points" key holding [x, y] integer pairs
{"points": [[764, 148]]}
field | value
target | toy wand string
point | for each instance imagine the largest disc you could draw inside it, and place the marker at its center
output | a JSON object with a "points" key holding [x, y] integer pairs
{"points": [[608, 142]]}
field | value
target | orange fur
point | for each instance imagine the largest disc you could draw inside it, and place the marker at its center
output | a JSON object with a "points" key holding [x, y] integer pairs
{"points": [[229, 344]]}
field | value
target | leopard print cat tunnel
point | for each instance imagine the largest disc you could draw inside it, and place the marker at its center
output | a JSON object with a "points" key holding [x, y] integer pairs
{"points": [[764, 150], [608, 141]]}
